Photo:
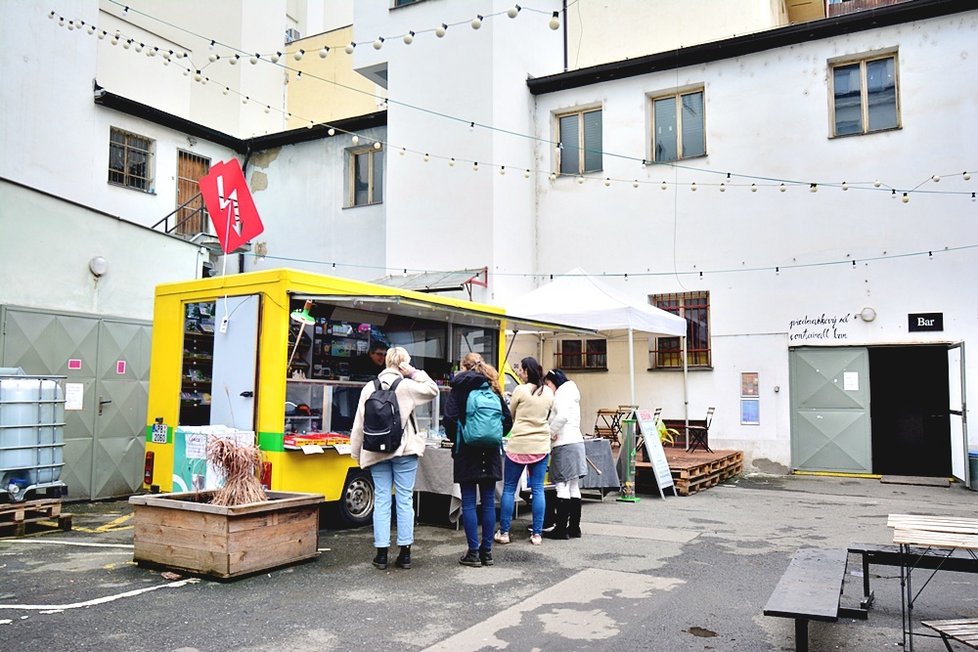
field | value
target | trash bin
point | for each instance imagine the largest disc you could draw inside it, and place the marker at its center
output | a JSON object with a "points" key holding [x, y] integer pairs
{"points": [[973, 470]]}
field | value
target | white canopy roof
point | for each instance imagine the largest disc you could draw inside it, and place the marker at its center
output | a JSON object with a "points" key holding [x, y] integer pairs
{"points": [[582, 300]]}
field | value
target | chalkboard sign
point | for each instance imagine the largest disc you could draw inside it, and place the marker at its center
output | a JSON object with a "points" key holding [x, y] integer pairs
{"points": [[653, 450]]}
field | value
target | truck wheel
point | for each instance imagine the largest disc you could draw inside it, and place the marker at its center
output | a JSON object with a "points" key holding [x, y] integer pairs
{"points": [[357, 502]]}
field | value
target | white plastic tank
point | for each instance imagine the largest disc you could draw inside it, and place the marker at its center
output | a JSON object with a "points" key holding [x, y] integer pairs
{"points": [[31, 432]]}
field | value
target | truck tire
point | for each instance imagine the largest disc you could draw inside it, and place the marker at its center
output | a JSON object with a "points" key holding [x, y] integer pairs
{"points": [[356, 505]]}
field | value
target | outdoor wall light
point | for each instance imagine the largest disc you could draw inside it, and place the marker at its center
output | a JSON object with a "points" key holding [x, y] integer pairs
{"points": [[867, 314], [98, 266]]}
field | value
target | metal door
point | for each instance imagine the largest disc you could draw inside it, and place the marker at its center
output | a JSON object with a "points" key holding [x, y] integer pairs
{"points": [[958, 409], [235, 362], [830, 422], [102, 452]]}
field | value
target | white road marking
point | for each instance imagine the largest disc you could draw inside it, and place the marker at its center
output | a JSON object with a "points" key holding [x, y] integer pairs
{"points": [[91, 544], [102, 600]]}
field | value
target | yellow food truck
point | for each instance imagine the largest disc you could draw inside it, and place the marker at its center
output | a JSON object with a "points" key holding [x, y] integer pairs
{"points": [[284, 354]]}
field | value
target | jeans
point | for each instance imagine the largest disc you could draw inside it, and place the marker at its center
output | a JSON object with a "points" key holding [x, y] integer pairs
{"points": [[511, 478], [399, 473], [470, 519]]}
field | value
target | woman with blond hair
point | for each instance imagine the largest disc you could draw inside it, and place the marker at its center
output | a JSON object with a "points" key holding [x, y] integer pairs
{"points": [[395, 469], [476, 468]]}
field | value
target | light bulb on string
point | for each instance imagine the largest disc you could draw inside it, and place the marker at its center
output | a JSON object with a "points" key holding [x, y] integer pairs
{"points": [[409, 38], [692, 186], [877, 183], [52, 14], [244, 100], [512, 12], [905, 199], [723, 186], [331, 131], [663, 186], [607, 181], [935, 178], [115, 40], [139, 47], [102, 34], [782, 187], [127, 44], [354, 139], [379, 43], [213, 57], [61, 21], [893, 194], [310, 125], [502, 170], [555, 21], [451, 162], [845, 186], [298, 55], [813, 187], [268, 108], [234, 60], [553, 176], [403, 151], [275, 57], [91, 29], [323, 52], [440, 30], [376, 144], [152, 52], [71, 25], [526, 175], [211, 45], [753, 187], [426, 157], [197, 76], [580, 179], [966, 176], [972, 197], [476, 22], [253, 59], [227, 90], [635, 183], [350, 47], [475, 166]]}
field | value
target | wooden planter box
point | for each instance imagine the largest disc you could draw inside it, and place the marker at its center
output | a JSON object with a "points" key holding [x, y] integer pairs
{"points": [[183, 531]]}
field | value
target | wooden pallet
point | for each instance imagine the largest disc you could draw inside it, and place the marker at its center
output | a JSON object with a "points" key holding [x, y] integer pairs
{"points": [[699, 470], [15, 517], [687, 486]]}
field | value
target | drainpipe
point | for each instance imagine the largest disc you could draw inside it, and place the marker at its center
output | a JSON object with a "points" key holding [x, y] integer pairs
{"points": [[564, 4]]}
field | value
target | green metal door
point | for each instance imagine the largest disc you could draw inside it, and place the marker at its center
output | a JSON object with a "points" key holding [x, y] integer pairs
{"points": [[830, 422], [104, 435]]}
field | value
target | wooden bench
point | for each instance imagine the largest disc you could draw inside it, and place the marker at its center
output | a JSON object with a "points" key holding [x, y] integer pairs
{"points": [[811, 589], [889, 555], [962, 631]]}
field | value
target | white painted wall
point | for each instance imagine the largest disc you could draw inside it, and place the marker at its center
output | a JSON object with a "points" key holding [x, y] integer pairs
{"points": [[766, 115], [46, 245], [602, 31]]}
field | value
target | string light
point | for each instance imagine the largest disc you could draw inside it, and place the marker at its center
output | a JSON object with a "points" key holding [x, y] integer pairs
{"points": [[692, 186], [906, 198], [966, 175], [299, 54], [663, 186], [935, 178], [476, 22], [845, 186], [350, 47], [324, 52], [753, 187], [234, 60], [440, 30], [379, 42], [502, 170], [409, 38], [275, 57], [782, 187], [475, 166], [723, 187], [512, 12], [555, 21], [355, 139]]}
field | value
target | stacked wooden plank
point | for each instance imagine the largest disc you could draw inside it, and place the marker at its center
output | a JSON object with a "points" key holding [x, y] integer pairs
{"points": [[15, 517], [699, 470]]}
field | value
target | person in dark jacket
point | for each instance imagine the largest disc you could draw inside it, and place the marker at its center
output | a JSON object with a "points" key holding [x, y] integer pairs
{"points": [[475, 467]]}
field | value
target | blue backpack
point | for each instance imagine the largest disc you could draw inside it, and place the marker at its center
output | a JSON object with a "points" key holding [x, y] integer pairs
{"points": [[483, 419]]}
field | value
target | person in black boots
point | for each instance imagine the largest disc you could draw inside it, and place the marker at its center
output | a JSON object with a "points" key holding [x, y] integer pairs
{"points": [[477, 467], [568, 462]]}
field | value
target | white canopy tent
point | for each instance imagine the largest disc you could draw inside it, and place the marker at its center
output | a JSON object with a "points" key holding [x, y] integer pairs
{"points": [[579, 299]]}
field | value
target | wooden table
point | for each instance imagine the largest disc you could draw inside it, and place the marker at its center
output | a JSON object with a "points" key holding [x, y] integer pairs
{"points": [[917, 535]]}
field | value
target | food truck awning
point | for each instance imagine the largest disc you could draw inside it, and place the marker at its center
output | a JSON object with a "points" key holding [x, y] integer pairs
{"points": [[461, 279], [441, 312]]}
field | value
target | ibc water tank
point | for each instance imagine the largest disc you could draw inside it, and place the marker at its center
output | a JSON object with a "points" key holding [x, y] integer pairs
{"points": [[31, 433]]}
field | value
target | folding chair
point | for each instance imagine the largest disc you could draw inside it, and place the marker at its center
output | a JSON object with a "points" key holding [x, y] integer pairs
{"points": [[698, 434]]}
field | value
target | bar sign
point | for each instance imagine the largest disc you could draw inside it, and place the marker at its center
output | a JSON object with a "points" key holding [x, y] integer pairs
{"points": [[925, 321]]}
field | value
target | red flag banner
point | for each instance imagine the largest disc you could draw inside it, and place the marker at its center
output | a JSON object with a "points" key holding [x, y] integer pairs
{"points": [[230, 205]]}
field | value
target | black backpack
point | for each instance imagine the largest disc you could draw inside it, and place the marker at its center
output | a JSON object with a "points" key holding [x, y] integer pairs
{"points": [[382, 419]]}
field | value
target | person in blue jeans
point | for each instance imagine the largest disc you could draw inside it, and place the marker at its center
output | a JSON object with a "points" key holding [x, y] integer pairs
{"points": [[396, 470], [476, 468], [527, 447]]}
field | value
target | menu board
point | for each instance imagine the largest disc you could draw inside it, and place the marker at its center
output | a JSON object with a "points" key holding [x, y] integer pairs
{"points": [[653, 450]]}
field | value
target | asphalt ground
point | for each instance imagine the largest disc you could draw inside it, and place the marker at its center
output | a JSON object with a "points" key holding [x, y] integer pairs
{"points": [[683, 573]]}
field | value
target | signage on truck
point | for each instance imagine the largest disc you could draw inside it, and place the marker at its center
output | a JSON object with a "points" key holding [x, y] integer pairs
{"points": [[925, 321]]}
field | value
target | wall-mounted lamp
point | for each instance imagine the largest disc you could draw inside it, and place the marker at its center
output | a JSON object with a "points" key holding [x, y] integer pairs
{"points": [[98, 266], [867, 314]]}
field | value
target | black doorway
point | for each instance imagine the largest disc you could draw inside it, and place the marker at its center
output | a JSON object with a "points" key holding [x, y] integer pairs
{"points": [[909, 410]]}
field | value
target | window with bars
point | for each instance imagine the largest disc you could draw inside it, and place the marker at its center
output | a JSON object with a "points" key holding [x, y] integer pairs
{"points": [[666, 352], [678, 126], [864, 95], [579, 135], [578, 354], [130, 160], [366, 174]]}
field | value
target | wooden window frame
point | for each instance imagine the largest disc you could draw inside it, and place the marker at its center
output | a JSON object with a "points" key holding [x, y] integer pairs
{"points": [[677, 95], [580, 138], [128, 147], [862, 60], [666, 352], [584, 359], [351, 196]]}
